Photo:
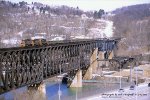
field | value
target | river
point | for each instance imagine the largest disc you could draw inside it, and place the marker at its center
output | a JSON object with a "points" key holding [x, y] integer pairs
{"points": [[52, 88]]}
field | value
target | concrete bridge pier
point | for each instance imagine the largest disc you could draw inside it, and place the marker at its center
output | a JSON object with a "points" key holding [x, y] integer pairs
{"points": [[88, 74], [93, 65], [101, 55], [77, 81], [101, 62], [93, 61], [93, 68], [111, 55]]}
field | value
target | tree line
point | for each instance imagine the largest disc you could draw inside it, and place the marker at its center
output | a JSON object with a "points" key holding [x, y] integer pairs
{"points": [[55, 10], [133, 24]]}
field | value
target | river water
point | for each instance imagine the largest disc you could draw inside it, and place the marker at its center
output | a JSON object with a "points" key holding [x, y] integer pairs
{"points": [[52, 88]]}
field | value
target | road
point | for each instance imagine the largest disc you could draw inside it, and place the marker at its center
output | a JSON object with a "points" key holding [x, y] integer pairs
{"points": [[142, 92]]}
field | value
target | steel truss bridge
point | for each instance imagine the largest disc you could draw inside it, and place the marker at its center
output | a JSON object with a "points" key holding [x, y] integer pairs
{"points": [[23, 66]]}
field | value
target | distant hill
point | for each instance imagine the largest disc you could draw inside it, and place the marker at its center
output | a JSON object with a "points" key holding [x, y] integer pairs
{"points": [[23, 21], [133, 24], [135, 12]]}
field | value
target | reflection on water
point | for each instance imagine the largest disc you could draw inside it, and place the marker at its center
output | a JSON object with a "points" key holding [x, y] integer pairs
{"points": [[13, 95], [66, 93], [88, 89], [52, 89]]}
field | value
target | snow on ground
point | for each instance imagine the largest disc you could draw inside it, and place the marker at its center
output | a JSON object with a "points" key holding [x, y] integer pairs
{"points": [[21, 33], [84, 17], [10, 41], [80, 37], [109, 29], [141, 92], [108, 72], [57, 38], [37, 37], [103, 29]]}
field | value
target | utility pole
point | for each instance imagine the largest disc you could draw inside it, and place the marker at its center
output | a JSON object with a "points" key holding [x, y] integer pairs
{"points": [[120, 76], [136, 83], [59, 91], [130, 74]]}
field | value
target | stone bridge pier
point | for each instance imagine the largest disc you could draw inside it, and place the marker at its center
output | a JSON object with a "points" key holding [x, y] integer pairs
{"points": [[77, 81], [97, 59]]}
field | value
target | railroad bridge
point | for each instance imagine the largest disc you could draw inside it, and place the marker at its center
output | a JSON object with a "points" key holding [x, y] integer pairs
{"points": [[26, 66]]}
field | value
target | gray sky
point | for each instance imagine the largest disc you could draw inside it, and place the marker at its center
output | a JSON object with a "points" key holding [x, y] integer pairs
{"points": [[107, 5]]}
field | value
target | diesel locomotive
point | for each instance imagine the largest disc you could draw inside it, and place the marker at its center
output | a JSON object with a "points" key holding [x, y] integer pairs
{"points": [[34, 42]]}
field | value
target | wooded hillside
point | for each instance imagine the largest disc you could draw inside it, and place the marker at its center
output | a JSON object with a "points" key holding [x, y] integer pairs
{"points": [[132, 23]]}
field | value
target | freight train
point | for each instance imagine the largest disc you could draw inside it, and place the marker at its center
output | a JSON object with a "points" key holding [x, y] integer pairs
{"points": [[33, 42]]}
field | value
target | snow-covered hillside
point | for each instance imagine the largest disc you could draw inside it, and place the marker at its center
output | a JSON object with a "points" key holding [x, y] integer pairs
{"points": [[103, 29], [32, 19]]}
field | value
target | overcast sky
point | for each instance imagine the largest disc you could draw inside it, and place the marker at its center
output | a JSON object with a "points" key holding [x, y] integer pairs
{"points": [[107, 5]]}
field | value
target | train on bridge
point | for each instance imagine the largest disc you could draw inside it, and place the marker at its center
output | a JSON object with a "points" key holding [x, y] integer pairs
{"points": [[44, 42], [33, 42]]}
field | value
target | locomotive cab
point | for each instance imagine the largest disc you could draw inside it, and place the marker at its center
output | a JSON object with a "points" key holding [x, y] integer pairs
{"points": [[33, 42], [40, 42], [26, 43]]}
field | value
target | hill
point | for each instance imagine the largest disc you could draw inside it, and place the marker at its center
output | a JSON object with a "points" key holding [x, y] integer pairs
{"points": [[132, 23], [22, 21]]}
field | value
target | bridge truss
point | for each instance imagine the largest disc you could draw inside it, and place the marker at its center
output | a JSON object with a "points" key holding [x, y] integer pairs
{"points": [[22, 66]]}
